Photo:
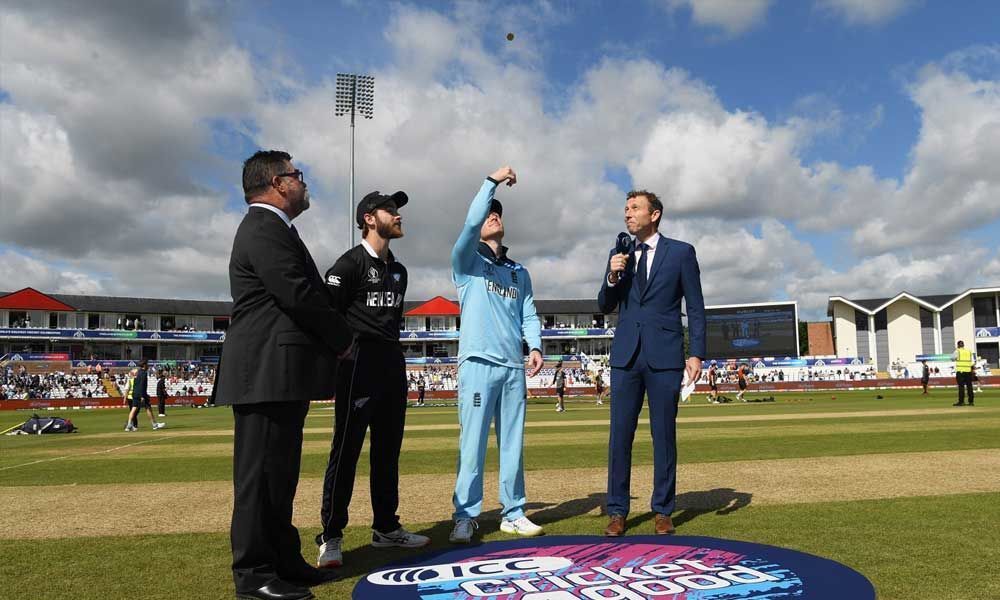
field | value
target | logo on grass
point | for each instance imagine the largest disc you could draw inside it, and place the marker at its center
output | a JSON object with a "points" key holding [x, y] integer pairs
{"points": [[632, 568]]}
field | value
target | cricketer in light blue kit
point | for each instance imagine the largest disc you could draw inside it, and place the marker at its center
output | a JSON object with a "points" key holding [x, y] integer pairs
{"points": [[498, 312]]}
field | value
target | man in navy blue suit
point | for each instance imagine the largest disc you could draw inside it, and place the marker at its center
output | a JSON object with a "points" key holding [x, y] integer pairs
{"points": [[646, 284]]}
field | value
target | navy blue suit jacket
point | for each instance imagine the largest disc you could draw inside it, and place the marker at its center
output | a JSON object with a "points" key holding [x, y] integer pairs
{"points": [[654, 316]]}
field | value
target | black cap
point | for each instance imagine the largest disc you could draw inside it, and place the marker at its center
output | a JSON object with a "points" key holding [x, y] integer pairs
{"points": [[496, 207], [376, 199]]}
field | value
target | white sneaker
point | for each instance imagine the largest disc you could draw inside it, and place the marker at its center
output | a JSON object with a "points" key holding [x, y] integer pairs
{"points": [[330, 554], [400, 538], [560, 409], [161, 415], [600, 402], [159, 425], [522, 526], [129, 428], [462, 533]]}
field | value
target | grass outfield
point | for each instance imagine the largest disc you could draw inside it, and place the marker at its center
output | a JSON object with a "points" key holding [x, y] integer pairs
{"points": [[108, 514]]}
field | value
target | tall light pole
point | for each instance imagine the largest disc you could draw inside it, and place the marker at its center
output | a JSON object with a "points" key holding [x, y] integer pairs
{"points": [[355, 94]]}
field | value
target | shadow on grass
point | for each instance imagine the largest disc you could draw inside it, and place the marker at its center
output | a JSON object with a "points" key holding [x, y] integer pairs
{"points": [[359, 561], [690, 505]]}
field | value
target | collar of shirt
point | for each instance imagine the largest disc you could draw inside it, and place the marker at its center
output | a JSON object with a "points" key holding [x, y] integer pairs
{"points": [[371, 251], [487, 251], [368, 247], [275, 210], [651, 241]]}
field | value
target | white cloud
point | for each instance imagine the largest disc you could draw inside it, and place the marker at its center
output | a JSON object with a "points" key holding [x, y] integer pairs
{"points": [[866, 12], [991, 271], [18, 271], [952, 184], [96, 170], [106, 121], [733, 16], [888, 274]]}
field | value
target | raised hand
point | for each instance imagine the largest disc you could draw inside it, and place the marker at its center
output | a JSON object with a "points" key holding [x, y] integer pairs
{"points": [[504, 174]]}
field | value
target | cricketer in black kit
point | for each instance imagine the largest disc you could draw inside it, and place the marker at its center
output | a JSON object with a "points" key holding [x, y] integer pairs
{"points": [[368, 285]]}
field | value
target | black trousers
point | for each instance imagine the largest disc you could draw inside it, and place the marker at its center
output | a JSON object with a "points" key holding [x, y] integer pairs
{"points": [[371, 394], [267, 453], [161, 402], [965, 383]]}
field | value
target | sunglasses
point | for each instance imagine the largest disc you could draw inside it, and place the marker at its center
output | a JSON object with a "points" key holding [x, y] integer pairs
{"points": [[296, 174]]}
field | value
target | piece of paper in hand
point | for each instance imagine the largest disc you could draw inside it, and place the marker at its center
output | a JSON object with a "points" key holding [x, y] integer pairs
{"points": [[687, 388]]}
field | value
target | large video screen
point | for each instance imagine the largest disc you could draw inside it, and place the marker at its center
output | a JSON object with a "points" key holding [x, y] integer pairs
{"points": [[752, 331]]}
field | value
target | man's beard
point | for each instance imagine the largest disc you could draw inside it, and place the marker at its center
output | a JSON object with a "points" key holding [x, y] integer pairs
{"points": [[304, 203], [388, 231]]}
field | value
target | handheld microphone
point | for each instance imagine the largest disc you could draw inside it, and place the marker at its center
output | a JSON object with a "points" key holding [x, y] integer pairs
{"points": [[624, 243]]}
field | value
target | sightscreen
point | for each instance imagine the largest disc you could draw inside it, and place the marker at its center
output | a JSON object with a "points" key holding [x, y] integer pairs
{"points": [[752, 331]]}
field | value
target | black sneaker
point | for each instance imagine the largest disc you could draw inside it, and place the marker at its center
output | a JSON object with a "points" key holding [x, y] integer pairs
{"points": [[959, 404]]}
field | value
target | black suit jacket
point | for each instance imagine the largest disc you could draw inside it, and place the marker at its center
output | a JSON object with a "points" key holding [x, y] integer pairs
{"points": [[284, 335]]}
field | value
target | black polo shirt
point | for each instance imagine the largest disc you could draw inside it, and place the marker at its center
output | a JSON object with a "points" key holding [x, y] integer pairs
{"points": [[369, 293]]}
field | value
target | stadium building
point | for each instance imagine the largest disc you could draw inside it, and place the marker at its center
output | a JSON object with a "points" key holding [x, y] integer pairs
{"points": [[36, 325], [908, 328]]}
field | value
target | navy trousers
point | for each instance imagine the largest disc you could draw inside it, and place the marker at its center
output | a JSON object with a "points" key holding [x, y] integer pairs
{"points": [[628, 387]]}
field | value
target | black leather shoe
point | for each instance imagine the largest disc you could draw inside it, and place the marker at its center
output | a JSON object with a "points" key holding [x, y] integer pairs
{"points": [[277, 589], [311, 577]]}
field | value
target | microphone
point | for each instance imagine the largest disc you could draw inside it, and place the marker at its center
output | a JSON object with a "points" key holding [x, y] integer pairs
{"points": [[624, 243]]}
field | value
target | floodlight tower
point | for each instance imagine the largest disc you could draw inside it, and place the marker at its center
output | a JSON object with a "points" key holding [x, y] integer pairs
{"points": [[355, 95]]}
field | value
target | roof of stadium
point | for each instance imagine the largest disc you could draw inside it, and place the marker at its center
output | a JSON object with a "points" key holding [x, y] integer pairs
{"points": [[32, 299], [934, 302]]}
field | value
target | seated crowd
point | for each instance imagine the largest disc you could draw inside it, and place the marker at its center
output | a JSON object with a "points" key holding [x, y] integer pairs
{"points": [[16, 383], [21, 385]]}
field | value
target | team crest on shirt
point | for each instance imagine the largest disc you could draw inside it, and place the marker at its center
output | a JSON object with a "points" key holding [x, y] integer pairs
{"points": [[397, 277], [333, 280], [372, 275]]}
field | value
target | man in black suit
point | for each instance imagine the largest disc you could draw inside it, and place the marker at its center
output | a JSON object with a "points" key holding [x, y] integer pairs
{"points": [[281, 350]]}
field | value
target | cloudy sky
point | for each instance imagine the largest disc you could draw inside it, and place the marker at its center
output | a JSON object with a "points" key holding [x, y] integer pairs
{"points": [[806, 148]]}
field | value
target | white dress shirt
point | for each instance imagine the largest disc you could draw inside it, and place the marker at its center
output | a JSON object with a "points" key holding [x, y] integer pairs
{"points": [[651, 241], [275, 210]]}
